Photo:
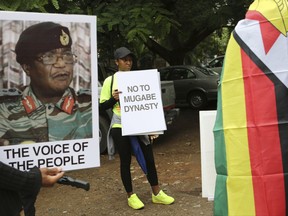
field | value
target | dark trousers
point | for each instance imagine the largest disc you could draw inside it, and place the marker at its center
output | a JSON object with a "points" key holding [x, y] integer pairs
{"points": [[124, 149]]}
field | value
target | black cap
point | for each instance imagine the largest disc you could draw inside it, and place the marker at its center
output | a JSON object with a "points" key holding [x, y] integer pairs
{"points": [[39, 38], [122, 52]]}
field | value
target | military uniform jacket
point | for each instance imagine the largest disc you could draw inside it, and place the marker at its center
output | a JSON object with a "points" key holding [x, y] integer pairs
{"points": [[23, 118]]}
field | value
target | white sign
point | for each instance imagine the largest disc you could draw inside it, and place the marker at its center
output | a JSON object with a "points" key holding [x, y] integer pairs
{"points": [[208, 172], [72, 154], [69, 154], [141, 103]]}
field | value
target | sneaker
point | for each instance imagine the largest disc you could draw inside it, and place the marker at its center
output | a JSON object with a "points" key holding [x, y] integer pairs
{"points": [[162, 198], [134, 202]]}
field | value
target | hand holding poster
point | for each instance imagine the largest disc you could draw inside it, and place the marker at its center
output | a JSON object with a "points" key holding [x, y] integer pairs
{"points": [[141, 102]]}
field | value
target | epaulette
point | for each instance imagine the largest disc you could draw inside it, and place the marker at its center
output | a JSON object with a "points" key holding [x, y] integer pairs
{"points": [[84, 92], [9, 94]]}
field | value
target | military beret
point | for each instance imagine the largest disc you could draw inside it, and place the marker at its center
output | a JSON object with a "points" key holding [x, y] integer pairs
{"points": [[39, 38]]}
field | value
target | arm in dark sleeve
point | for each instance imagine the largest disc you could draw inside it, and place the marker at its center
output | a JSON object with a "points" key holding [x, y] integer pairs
{"points": [[106, 99], [108, 104], [16, 180], [18, 188]]}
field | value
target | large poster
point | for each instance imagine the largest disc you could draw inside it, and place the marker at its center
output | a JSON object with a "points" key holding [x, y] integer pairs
{"points": [[251, 139], [48, 92]]}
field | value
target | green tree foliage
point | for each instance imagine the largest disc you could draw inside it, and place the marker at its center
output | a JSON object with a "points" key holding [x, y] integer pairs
{"points": [[26, 5], [172, 29], [169, 28], [198, 22], [134, 23], [123, 23]]}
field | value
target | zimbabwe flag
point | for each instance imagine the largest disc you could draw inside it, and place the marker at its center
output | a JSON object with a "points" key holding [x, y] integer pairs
{"points": [[251, 129]]}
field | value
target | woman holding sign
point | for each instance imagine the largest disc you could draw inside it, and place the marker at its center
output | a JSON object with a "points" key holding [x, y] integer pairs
{"points": [[109, 98]]}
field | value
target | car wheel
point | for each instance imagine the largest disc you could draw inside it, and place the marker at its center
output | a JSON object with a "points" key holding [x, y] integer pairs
{"points": [[197, 100], [103, 131]]}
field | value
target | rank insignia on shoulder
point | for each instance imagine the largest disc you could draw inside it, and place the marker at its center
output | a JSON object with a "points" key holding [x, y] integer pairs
{"points": [[9, 95], [84, 92], [10, 92]]}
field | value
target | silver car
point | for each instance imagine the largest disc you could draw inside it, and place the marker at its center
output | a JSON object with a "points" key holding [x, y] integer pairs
{"points": [[193, 85], [216, 64]]}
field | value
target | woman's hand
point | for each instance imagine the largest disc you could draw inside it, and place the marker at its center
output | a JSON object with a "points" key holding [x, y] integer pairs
{"points": [[115, 94], [153, 137]]}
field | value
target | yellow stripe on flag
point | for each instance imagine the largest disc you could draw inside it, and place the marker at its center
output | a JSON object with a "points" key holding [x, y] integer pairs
{"points": [[240, 196], [239, 182]]}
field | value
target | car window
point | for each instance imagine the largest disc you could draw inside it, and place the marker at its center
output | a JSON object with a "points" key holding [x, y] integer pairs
{"points": [[178, 74], [217, 62], [163, 74], [191, 75], [206, 71]]}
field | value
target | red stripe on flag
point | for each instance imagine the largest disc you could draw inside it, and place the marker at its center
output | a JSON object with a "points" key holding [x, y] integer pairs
{"points": [[264, 141], [269, 35]]}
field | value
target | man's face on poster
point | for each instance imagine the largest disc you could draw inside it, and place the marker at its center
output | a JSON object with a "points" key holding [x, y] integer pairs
{"points": [[52, 71]]}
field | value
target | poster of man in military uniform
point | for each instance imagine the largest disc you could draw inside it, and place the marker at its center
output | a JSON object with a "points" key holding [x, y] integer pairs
{"points": [[46, 91]]}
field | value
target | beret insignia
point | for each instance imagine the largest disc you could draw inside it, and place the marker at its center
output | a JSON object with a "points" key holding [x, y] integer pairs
{"points": [[64, 38]]}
